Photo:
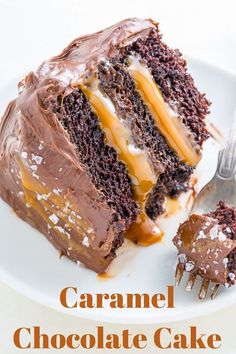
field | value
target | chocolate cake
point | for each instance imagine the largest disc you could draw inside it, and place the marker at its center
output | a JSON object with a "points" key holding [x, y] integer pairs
{"points": [[99, 137], [207, 245]]}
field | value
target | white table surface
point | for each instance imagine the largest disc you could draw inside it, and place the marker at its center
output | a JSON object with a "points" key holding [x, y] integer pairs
{"points": [[33, 30]]}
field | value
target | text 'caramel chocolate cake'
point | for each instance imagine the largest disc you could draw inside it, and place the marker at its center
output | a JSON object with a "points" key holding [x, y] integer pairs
{"points": [[99, 137], [207, 245]]}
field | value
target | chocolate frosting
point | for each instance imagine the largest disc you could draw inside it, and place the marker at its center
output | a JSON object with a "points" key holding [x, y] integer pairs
{"points": [[84, 53], [39, 165], [204, 248]]}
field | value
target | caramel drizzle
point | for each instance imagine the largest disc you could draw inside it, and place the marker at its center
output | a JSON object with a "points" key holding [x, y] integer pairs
{"points": [[169, 124], [142, 231]]}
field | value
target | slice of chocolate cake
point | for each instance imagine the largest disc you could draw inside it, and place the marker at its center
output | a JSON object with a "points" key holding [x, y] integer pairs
{"points": [[99, 137], [207, 245]]}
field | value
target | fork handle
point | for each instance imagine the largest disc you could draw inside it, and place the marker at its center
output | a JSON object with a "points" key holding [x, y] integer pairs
{"points": [[227, 156]]}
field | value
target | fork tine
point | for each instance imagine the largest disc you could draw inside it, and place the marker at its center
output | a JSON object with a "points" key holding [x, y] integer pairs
{"points": [[215, 291], [191, 281], [204, 289], [179, 273]]}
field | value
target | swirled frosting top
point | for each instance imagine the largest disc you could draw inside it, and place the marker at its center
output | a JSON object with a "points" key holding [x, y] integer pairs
{"points": [[83, 54]]}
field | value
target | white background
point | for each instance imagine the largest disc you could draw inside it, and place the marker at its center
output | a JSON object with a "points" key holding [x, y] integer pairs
{"points": [[31, 31]]}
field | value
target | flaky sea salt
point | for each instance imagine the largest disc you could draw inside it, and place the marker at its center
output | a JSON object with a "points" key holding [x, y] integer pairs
{"points": [[71, 220], [24, 154], [68, 235], [214, 232], [37, 159], [182, 258], [231, 276], [35, 175], [54, 219], [42, 196], [201, 235], [189, 266], [179, 243], [85, 241], [225, 262], [57, 191], [228, 229], [222, 236], [60, 229], [34, 168]]}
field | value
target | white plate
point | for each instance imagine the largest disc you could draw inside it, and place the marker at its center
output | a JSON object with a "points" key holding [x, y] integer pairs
{"points": [[29, 264]]}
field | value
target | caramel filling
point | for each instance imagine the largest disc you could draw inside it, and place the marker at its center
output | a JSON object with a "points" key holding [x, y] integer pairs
{"points": [[169, 124], [171, 206], [60, 214], [119, 136], [143, 231]]}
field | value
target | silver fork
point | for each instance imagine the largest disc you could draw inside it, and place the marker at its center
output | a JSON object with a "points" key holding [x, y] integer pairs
{"points": [[221, 187]]}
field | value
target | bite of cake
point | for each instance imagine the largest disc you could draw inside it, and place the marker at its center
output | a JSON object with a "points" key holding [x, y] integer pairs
{"points": [[206, 246], [97, 139]]}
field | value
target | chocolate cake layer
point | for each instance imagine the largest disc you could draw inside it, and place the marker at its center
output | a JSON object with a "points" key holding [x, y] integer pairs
{"points": [[207, 245], [107, 173]]}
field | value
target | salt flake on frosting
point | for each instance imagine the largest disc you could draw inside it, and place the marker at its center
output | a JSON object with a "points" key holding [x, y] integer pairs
{"points": [[57, 191], [71, 220], [60, 229], [54, 219], [37, 159], [182, 258], [201, 235], [34, 168], [214, 232], [85, 241], [231, 276], [189, 266], [225, 262], [24, 154]]}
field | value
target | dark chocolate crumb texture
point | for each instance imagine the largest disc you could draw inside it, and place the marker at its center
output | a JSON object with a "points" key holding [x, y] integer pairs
{"points": [[207, 245], [99, 138]]}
